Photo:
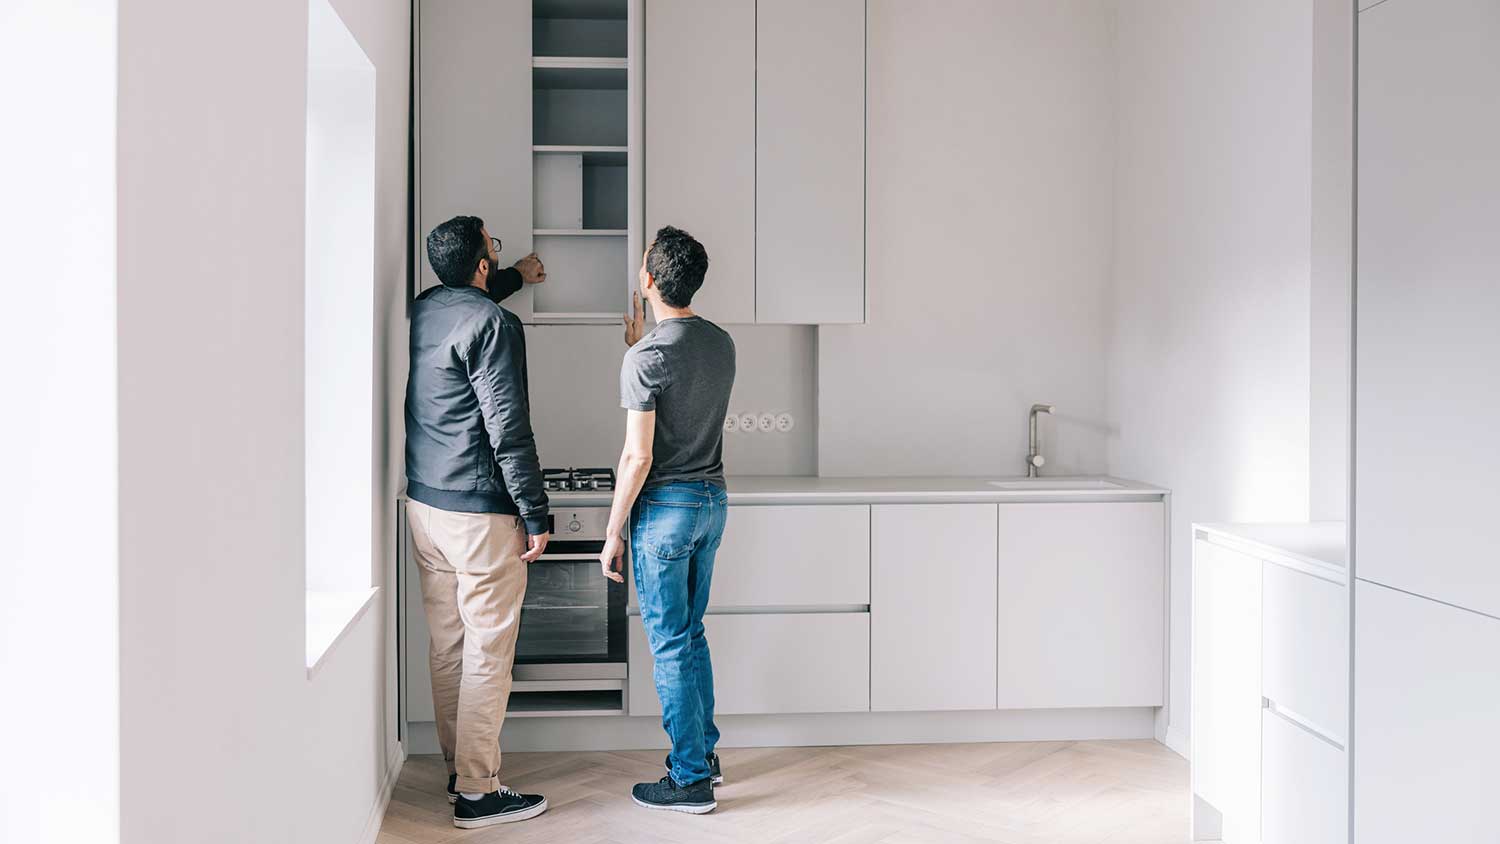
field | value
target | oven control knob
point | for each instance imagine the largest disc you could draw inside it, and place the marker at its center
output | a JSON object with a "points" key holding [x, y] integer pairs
{"points": [[574, 526]]}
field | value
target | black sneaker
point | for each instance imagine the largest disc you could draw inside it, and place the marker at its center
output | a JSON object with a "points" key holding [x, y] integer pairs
{"points": [[695, 799], [715, 776], [453, 788], [503, 806]]}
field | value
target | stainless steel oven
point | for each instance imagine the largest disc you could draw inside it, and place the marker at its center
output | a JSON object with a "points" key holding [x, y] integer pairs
{"points": [[572, 618]]}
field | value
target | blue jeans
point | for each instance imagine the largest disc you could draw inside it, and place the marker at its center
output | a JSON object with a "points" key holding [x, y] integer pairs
{"points": [[675, 530]]}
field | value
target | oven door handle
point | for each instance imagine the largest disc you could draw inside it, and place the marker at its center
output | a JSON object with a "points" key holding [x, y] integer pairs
{"points": [[545, 557]]}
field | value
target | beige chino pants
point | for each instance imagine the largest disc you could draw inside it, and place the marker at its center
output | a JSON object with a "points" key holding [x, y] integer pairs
{"points": [[473, 581]]}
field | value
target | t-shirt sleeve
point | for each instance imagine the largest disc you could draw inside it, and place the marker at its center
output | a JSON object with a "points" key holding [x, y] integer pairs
{"points": [[642, 378]]}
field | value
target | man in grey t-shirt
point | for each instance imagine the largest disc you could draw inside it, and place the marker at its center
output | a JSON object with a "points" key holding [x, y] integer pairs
{"points": [[674, 386]]}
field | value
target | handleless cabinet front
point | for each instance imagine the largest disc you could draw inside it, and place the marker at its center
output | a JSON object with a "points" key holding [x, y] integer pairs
{"points": [[700, 141], [1083, 590], [809, 161], [932, 607], [475, 125], [774, 663]]}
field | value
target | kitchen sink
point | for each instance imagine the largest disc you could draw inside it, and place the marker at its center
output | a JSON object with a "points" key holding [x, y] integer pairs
{"points": [[1057, 483]]}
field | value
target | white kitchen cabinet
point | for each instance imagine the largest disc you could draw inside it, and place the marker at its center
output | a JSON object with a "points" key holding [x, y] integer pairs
{"points": [[772, 663], [1082, 605], [1304, 785], [810, 161], [1305, 647], [1428, 303], [1426, 727], [476, 160], [932, 606], [1226, 692], [700, 141], [794, 556]]}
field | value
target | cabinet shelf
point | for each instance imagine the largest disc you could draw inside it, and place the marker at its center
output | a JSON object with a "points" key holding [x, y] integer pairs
{"points": [[580, 232], [608, 156], [579, 62]]}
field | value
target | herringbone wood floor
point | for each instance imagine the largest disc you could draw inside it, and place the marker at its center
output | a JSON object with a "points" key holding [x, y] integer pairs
{"points": [[1099, 792]]}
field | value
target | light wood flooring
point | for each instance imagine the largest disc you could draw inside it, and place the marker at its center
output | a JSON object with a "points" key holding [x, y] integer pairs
{"points": [[1087, 792]]}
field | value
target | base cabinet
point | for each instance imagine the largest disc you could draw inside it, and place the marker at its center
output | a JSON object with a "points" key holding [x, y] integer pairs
{"points": [[1304, 785], [1426, 729], [932, 607], [772, 663], [1082, 597], [1226, 701]]}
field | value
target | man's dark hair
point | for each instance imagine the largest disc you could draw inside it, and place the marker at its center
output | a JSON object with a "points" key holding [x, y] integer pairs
{"points": [[454, 249], [678, 262]]}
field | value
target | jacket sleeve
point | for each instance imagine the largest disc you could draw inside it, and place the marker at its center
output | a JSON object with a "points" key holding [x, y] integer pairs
{"points": [[504, 285], [497, 369]]}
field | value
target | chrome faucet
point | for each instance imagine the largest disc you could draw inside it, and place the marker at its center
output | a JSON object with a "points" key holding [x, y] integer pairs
{"points": [[1034, 458]]}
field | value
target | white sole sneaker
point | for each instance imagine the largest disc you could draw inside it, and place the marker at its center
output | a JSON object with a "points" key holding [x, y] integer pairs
{"points": [[508, 817], [690, 808]]}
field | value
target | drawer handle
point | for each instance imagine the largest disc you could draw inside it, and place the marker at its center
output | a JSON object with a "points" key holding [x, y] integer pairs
{"points": [[1301, 723]]}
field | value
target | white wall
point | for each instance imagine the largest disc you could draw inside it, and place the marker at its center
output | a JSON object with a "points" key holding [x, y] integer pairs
{"points": [[1208, 358], [575, 396], [989, 158], [1331, 293], [214, 689], [58, 581]]}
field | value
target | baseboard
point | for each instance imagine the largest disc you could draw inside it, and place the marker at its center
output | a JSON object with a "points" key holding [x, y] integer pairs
{"points": [[383, 796], [857, 728], [1177, 741]]}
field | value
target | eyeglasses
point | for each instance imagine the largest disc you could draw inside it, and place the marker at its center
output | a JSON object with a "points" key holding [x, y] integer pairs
{"points": [[484, 253]]}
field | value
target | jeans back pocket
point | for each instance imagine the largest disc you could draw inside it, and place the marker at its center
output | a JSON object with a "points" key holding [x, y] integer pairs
{"points": [[668, 529]]}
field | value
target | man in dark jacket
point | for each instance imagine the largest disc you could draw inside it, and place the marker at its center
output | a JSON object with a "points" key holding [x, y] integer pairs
{"points": [[477, 510]]}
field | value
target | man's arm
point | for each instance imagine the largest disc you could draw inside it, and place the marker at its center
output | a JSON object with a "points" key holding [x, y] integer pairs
{"points": [[635, 464], [497, 369]]}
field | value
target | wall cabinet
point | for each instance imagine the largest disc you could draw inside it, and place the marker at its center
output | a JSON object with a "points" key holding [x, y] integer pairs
{"points": [[755, 125], [1082, 605], [773, 663], [1429, 195], [530, 117], [476, 160], [810, 161], [700, 141], [932, 606]]}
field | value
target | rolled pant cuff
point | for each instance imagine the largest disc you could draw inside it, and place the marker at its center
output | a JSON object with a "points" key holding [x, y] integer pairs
{"points": [[477, 785]]}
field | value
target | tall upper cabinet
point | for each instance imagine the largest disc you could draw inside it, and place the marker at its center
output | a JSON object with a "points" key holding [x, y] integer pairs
{"points": [[530, 117], [755, 142], [1427, 595]]}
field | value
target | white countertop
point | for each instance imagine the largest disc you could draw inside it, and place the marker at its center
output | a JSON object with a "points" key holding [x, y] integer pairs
{"points": [[799, 489], [1319, 544]]}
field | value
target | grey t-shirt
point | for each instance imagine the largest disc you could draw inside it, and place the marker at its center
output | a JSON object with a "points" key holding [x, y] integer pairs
{"points": [[683, 369]]}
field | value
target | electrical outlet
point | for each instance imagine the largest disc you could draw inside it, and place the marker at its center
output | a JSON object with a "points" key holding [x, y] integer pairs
{"points": [[785, 422], [731, 423], [749, 422], [766, 423]]}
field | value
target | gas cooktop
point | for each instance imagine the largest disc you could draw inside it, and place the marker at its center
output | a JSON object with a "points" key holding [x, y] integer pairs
{"points": [[578, 480]]}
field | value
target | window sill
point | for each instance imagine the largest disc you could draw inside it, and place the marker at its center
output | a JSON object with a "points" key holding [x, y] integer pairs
{"points": [[330, 616]]}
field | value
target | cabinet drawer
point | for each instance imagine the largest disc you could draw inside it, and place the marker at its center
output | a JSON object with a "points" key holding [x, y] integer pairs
{"points": [[1305, 635], [777, 663], [800, 556], [1304, 786]]}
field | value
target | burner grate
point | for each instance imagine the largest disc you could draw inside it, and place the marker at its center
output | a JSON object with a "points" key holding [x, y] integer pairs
{"points": [[578, 480]]}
